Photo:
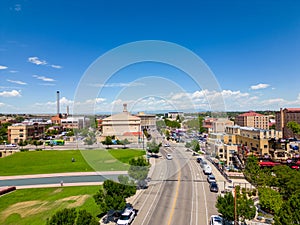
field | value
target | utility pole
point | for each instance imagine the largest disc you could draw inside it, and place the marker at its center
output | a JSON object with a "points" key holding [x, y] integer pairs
{"points": [[235, 214]]}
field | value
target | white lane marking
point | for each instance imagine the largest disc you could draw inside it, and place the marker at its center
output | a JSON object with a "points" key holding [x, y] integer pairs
{"points": [[159, 193]]}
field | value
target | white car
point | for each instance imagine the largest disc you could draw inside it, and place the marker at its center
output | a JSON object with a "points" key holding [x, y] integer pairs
{"points": [[167, 145], [169, 156], [126, 217], [216, 220], [207, 170], [211, 178]]}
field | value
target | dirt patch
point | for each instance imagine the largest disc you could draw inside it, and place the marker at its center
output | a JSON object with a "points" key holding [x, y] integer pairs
{"points": [[73, 201], [29, 208], [25, 208], [57, 191], [110, 161]]}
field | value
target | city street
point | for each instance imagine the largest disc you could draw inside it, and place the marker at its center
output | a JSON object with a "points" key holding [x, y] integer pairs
{"points": [[178, 192]]}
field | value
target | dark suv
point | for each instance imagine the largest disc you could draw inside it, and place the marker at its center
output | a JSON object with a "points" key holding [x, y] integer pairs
{"points": [[213, 187]]}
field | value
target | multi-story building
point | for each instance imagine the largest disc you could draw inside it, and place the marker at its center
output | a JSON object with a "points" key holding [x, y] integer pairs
{"points": [[122, 125], [220, 124], [252, 119], [253, 140], [220, 145], [174, 115], [18, 132], [208, 124], [75, 122], [283, 117], [148, 121]]}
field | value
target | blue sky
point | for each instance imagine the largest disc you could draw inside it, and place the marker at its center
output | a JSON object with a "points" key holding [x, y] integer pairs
{"points": [[252, 47]]}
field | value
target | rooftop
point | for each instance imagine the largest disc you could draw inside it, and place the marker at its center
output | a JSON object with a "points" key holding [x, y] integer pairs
{"points": [[250, 113]]}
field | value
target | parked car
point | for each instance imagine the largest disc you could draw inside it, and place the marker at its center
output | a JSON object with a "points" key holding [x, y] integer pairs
{"points": [[213, 187], [211, 178], [169, 156], [199, 160], [127, 216], [10, 145], [203, 163], [207, 170], [216, 220], [167, 145]]}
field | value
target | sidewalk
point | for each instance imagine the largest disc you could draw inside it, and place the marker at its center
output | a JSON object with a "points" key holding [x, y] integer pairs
{"points": [[103, 173]]}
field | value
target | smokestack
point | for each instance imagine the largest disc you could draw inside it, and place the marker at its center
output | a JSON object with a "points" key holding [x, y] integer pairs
{"points": [[57, 102], [124, 107]]}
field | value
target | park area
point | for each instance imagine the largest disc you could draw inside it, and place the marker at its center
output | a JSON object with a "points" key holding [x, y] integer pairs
{"points": [[34, 206], [61, 161]]}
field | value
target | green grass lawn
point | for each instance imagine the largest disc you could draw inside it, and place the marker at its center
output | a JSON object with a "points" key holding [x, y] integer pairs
{"points": [[59, 161], [34, 206]]}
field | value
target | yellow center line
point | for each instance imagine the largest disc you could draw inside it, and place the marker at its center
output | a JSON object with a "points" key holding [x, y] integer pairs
{"points": [[175, 198]]}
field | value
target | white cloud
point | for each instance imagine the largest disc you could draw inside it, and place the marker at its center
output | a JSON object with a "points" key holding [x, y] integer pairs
{"points": [[2, 104], [62, 101], [95, 101], [13, 71], [56, 66], [13, 93], [17, 82], [134, 84], [35, 60], [43, 78], [3, 67], [259, 86]]}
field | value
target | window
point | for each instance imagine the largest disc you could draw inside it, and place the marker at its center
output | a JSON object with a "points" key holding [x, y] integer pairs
{"points": [[265, 146]]}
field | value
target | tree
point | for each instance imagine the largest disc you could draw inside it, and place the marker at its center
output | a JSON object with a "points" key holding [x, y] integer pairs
{"points": [[139, 168], [107, 141], [112, 195], [196, 147], [72, 217], [252, 170], [90, 138], [201, 128], [36, 143], [178, 119], [244, 206], [85, 218], [167, 133], [63, 217], [287, 181], [153, 147], [125, 180], [3, 132], [225, 206], [294, 127], [125, 142], [290, 211], [172, 124], [22, 143], [270, 200]]}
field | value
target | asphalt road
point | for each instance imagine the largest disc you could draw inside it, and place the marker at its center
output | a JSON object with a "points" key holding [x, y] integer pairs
{"points": [[178, 192]]}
